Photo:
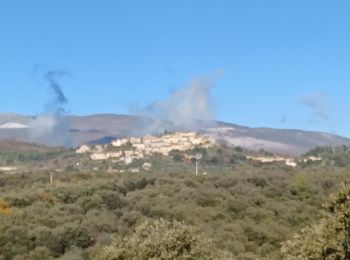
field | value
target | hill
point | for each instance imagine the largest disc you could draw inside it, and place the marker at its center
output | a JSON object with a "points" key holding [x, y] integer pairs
{"points": [[101, 128]]}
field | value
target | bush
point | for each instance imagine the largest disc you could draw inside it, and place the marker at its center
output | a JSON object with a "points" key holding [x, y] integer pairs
{"points": [[160, 240], [40, 253], [301, 187], [329, 239]]}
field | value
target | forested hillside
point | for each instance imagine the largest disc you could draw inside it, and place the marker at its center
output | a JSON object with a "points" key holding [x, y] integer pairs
{"points": [[246, 209]]}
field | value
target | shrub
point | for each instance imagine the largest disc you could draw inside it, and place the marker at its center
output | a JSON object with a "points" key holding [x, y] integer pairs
{"points": [[301, 187], [329, 239], [160, 240], [39, 253]]}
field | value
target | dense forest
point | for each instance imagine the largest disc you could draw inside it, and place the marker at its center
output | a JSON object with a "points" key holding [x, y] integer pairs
{"points": [[238, 210]]}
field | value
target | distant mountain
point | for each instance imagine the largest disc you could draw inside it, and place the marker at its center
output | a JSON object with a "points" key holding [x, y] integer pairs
{"points": [[283, 141], [101, 128]]}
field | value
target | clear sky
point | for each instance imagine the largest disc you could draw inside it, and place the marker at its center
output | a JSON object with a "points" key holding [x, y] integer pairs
{"points": [[286, 63]]}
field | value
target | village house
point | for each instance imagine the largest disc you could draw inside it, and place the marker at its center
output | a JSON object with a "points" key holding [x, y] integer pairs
{"points": [[147, 166], [312, 159], [288, 161], [83, 149], [120, 142]]}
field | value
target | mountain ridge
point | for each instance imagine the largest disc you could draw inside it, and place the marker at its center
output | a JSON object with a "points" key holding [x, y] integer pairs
{"points": [[100, 128]]}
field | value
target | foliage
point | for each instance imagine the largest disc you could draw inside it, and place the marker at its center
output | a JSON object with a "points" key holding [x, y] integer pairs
{"points": [[245, 209], [329, 239], [338, 156], [160, 239], [301, 187]]}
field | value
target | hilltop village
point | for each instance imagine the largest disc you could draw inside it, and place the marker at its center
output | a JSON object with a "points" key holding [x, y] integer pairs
{"points": [[137, 154], [128, 149]]}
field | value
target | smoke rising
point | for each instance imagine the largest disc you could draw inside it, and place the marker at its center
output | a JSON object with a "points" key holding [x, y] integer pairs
{"points": [[188, 108], [52, 126], [319, 104], [52, 78], [283, 119]]}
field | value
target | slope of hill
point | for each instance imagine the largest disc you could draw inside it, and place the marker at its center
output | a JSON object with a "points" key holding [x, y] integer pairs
{"points": [[102, 128], [291, 142]]}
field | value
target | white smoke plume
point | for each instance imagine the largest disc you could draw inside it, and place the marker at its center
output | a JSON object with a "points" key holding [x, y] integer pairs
{"points": [[188, 108], [52, 127]]}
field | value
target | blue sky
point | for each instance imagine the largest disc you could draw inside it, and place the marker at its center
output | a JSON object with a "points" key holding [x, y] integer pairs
{"points": [[286, 63]]}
